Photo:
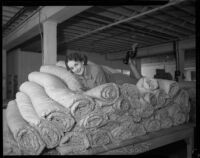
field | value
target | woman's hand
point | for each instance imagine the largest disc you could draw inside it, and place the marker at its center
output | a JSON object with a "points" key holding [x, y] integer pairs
{"points": [[134, 46]]}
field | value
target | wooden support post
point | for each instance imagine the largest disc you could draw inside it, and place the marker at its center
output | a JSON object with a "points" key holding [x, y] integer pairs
{"points": [[180, 53], [190, 144], [49, 42], [4, 58], [181, 64]]}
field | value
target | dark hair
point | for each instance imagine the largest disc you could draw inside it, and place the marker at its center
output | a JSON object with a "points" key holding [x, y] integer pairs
{"points": [[76, 57]]}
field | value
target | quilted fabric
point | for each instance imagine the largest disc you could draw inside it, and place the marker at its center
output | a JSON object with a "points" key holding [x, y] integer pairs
{"points": [[27, 137], [46, 107], [107, 93], [82, 122], [65, 75]]}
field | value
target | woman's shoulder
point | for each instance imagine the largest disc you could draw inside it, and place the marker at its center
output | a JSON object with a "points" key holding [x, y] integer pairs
{"points": [[94, 68]]}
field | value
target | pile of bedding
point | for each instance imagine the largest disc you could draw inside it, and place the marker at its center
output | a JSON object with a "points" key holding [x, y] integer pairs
{"points": [[51, 112]]}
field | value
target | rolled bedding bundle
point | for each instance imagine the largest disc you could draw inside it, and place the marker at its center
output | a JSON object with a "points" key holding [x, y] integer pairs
{"points": [[108, 109], [73, 143], [94, 120], [157, 99], [135, 102], [163, 116], [82, 107], [65, 75], [147, 85], [122, 105], [107, 93], [150, 98], [64, 120], [50, 132], [182, 98], [55, 88], [10, 146], [177, 116], [46, 80], [27, 137], [65, 97], [41, 102], [150, 83], [128, 122], [151, 124], [130, 91], [187, 84], [142, 110], [136, 114], [147, 111], [99, 138], [111, 124], [26, 108], [121, 132], [126, 119], [166, 123], [137, 129], [173, 109], [169, 86], [46, 107], [161, 98]]}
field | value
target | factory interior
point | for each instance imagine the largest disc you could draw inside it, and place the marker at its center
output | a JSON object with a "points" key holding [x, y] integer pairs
{"points": [[46, 110]]}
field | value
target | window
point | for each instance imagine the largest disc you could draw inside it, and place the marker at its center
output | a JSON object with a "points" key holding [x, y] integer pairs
{"points": [[126, 72]]}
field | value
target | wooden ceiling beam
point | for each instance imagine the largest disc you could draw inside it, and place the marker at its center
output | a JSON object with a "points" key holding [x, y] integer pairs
{"points": [[31, 27]]}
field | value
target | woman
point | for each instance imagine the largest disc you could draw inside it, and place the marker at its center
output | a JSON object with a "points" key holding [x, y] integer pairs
{"points": [[92, 75]]}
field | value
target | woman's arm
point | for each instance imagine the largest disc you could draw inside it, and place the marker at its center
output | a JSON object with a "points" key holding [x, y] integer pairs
{"points": [[133, 68], [99, 76], [132, 63]]}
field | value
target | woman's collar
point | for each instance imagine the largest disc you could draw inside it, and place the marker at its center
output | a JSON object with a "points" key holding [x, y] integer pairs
{"points": [[87, 72]]}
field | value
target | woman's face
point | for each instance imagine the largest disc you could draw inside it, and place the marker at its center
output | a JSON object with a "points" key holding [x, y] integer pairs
{"points": [[76, 67]]}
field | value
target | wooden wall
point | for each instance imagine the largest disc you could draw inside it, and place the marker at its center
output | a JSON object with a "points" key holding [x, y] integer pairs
{"points": [[19, 65]]}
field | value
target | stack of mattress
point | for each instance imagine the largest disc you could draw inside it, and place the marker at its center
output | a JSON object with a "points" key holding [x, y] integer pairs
{"points": [[51, 112]]}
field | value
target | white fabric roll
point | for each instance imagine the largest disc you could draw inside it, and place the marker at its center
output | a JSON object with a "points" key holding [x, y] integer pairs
{"points": [[26, 109], [42, 103], [46, 80], [65, 75]]}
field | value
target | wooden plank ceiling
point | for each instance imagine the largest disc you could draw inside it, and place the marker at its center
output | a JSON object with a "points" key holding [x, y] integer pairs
{"points": [[109, 29], [14, 16]]}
